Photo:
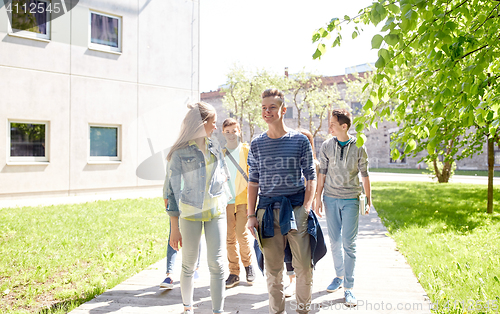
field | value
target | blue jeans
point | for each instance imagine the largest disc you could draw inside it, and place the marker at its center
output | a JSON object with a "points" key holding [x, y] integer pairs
{"points": [[342, 220], [215, 237], [172, 254]]}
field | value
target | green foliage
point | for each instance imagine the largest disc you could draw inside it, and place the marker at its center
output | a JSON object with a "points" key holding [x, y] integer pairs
{"points": [[452, 245], [438, 64], [441, 167], [62, 256], [312, 99], [243, 91], [32, 132], [446, 55], [377, 41], [305, 92], [357, 90], [23, 20]]}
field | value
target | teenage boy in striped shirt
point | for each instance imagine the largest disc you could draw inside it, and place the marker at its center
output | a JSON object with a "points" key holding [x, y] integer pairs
{"points": [[280, 160]]}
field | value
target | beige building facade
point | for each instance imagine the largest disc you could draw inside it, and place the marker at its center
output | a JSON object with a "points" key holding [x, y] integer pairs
{"points": [[91, 96]]}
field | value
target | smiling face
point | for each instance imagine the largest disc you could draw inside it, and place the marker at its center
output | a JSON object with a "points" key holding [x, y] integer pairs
{"points": [[272, 109], [211, 125], [231, 133], [336, 129]]}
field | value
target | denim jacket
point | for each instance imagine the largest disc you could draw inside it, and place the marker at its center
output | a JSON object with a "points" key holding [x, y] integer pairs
{"points": [[186, 177], [287, 217], [316, 240]]}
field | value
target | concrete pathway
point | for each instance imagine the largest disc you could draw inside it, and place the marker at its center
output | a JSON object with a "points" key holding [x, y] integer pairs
{"points": [[385, 283]]}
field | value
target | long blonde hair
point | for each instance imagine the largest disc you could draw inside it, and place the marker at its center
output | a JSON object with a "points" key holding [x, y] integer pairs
{"points": [[198, 115]]}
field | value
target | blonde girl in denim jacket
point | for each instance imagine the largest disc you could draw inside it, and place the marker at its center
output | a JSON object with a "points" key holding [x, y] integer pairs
{"points": [[197, 196]]}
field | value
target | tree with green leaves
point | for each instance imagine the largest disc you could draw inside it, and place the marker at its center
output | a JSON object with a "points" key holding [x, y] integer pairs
{"points": [[301, 86], [322, 101], [312, 99], [239, 93], [440, 59], [355, 91], [358, 89], [243, 91]]}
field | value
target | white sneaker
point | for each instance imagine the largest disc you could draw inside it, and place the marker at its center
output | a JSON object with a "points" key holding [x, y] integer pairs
{"points": [[290, 290]]}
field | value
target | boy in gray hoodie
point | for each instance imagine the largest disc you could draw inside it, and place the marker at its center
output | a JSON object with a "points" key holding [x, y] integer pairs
{"points": [[340, 163]]}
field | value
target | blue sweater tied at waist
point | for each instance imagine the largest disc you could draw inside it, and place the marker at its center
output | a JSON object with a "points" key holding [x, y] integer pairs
{"points": [[287, 217]]}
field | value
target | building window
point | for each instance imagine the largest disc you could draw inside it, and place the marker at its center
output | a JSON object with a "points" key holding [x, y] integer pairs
{"points": [[105, 32], [104, 143], [356, 108], [318, 141], [31, 18], [28, 142], [289, 113], [402, 159]]}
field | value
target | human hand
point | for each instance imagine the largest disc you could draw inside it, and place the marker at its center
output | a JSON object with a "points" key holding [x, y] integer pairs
{"points": [[368, 209], [318, 207], [252, 225], [175, 239]]}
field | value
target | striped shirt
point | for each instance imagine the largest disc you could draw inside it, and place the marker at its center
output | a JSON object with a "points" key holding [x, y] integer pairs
{"points": [[280, 165]]}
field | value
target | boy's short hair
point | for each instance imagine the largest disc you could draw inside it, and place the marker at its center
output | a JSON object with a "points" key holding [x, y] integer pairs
{"points": [[274, 92], [230, 121], [343, 116]]}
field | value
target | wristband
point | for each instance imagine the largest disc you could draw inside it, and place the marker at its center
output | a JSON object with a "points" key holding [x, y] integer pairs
{"points": [[252, 215]]}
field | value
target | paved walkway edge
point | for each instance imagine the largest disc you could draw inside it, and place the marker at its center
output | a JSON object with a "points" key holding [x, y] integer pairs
{"points": [[384, 283]]}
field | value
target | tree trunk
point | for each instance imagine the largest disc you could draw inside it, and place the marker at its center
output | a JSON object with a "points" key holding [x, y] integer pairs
{"points": [[446, 173], [252, 128], [436, 170], [491, 161], [297, 107], [320, 125], [298, 117], [310, 118], [241, 120]]}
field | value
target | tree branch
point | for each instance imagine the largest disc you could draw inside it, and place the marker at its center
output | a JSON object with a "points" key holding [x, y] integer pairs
{"points": [[406, 46], [488, 16], [471, 52], [444, 16], [448, 12], [493, 16]]}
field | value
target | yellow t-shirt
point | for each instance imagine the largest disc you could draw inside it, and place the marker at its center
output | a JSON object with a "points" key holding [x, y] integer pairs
{"points": [[212, 206]]}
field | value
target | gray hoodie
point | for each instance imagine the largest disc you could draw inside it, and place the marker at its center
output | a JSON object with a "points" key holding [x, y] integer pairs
{"points": [[341, 166]]}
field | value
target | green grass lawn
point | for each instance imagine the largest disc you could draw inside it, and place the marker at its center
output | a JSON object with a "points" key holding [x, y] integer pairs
{"points": [[55, 258], [482, 173], [452, 245]]}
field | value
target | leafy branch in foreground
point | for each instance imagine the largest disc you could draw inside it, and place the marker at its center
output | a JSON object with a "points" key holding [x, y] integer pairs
{"points": [[438, 62]]}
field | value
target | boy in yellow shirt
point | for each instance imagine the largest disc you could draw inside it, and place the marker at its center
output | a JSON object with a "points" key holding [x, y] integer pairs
{"points": [[236, 154]]}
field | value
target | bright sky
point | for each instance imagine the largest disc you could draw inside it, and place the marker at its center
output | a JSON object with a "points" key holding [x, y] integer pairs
{"points": [[274, 34]]}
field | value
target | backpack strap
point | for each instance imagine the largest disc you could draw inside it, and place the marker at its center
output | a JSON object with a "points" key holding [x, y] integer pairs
{"points": [[228, 154]]}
